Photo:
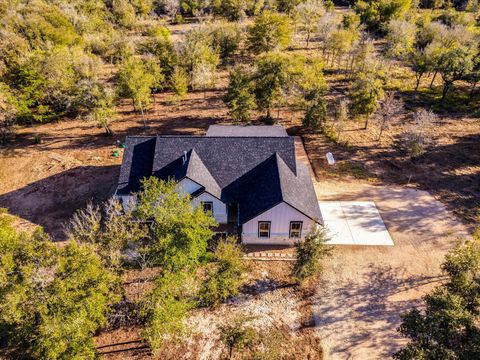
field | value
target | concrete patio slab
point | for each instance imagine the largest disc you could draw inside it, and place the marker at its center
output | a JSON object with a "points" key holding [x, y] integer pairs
{"points": [[354, 223]]}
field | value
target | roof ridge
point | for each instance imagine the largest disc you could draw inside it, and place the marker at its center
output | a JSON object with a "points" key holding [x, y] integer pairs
{"points": [[208, 137], [277, 158], [196, 157], [219, 137]]}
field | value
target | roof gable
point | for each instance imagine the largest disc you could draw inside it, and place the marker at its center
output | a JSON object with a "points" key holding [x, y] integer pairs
{"points": [[226, 158], [298, 191], [256, 191], [137, 163], [257, 173], [198, 172]]}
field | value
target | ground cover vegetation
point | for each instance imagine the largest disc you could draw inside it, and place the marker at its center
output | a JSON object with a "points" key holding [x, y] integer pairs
{"points": [[55, 298], [448, 326], [396, 68]]}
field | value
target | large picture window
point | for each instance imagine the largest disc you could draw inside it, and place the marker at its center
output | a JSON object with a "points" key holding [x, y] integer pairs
{"points": [[296, 229], [208, 206], [264, 229]]}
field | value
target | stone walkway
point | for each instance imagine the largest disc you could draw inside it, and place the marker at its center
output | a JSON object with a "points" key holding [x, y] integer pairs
{"points": [[269, 252], [269, 256]]}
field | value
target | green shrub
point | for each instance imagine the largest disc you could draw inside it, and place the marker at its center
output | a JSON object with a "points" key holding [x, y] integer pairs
{"points": [[225, 277], [227, 38], [180, 233], [179, 83], [447, 325], [377, 14], [166, 308], [316, 114], [124, 13], [136, 81], [237, 334], [240, 98], [309, 254], [159, 44]]}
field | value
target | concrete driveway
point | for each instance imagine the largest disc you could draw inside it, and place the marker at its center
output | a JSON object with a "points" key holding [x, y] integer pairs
{"points": [[354, 223]]}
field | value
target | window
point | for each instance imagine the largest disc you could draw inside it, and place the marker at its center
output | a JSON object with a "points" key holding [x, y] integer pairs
{"points": [[208, 206], [264, 229], [296, 229]]}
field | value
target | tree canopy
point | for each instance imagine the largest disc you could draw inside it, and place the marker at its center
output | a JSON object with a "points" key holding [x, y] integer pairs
{"points": [[448, 328], [52, 299]]}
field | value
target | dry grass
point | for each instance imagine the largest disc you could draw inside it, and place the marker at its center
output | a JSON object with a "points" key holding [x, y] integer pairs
{"points": [[365, 288], [275, 305], [45, 183]]}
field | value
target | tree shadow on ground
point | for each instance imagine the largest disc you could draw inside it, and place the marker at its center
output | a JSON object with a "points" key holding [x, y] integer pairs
{"points": [[261, 286], [373, 305], [51, 201], [450, 170], [173, 125]]}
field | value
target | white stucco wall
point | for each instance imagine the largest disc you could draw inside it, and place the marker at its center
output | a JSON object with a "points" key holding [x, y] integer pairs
{"points": [[219, 208], [188, 186], [280, 217]]}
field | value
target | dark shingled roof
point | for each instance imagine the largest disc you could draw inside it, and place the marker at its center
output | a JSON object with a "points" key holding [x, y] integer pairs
{"points": [[256, 191], [227, 158], [255, 172], [137, 163], [198, 172], [247, 131]]}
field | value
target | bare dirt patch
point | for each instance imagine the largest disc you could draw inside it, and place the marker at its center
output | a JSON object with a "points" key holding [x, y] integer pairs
{"points": [[365, 289], [46, 182], [450, 168], [276, 306]]}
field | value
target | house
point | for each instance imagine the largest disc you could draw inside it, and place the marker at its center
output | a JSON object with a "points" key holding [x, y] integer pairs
{"points": [[247, 176]]}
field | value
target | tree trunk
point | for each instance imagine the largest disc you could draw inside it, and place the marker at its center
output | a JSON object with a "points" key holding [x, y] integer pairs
{"points": [[382, 126], [308, 39], [472, 90], [133, 104], [366, 122], [446, 87], [433, 79], [419, 77], [143, 116], [108, 130]]}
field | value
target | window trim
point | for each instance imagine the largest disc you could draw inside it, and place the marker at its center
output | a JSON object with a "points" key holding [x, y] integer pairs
{"points": [[209, 203], [299, 232], [269, 229]]}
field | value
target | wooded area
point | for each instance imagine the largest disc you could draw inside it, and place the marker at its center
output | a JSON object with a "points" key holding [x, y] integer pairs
{"points": [[387, 84]]}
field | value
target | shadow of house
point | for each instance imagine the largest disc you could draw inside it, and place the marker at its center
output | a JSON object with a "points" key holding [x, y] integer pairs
{"points": [[51, 202]]}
